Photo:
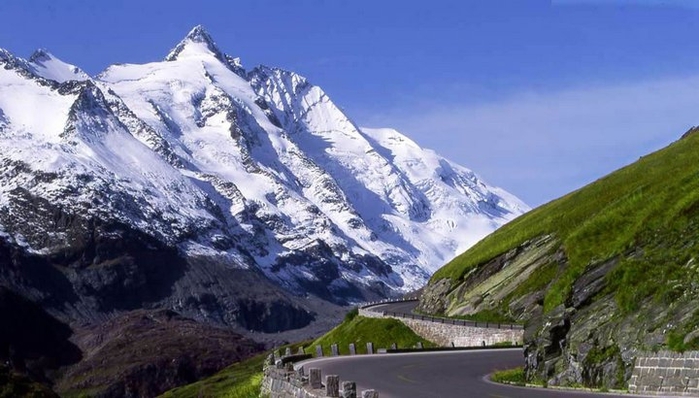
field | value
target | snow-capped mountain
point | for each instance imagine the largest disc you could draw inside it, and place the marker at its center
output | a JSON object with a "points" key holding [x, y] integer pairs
{"points": [[253, 170]]}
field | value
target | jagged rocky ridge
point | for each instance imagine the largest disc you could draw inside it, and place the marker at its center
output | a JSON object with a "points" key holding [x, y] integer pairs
{"points": [[194, 184]]}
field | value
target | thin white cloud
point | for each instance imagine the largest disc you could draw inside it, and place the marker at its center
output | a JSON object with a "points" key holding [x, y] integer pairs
{"points": [[541, 145]]}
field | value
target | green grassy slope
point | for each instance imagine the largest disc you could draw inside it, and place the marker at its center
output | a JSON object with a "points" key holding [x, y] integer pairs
{"points": [[240, 380], [649, 207], [360, 330]]}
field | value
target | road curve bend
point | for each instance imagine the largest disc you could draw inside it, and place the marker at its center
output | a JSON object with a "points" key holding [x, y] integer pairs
{"points": [[435, 374]]}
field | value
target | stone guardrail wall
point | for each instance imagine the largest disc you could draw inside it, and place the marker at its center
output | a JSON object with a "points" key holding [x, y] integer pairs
{"points": [[281, 380], [666, 373], [451, 332], [463, 336]]}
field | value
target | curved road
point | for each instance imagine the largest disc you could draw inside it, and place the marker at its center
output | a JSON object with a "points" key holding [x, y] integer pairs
{"points": [[405, 307], [435, 374]]}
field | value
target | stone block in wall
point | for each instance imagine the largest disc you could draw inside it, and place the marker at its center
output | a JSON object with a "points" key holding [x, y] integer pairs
{"points": [[370, 394], [674, 382], [332, 386], [666, 372], [349, 389], [314, 375]]}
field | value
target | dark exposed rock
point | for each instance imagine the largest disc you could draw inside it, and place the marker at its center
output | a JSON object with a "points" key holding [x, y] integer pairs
{"points": [[486, 286], [575, 343], [32, 341], [271, 317], [19, 384], [591, 283], [434, 296], [144, 353]]}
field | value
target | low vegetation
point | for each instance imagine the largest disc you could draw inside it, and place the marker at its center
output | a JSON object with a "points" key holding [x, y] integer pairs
{"points": [[685, 337], [14, 384], [360, 330], [240, 380], [510, 376]]}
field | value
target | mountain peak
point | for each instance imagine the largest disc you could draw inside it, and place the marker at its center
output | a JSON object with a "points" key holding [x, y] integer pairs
{"points": [[48, 66], [39, 55], [199, 35], [198, 40], [5, 55]]}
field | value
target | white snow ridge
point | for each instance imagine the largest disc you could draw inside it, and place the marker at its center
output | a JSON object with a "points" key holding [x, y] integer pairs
{"points": [[256, 169]]}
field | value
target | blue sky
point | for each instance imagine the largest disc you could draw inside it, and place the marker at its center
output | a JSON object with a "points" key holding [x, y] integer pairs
{"points": [[538, 97]]}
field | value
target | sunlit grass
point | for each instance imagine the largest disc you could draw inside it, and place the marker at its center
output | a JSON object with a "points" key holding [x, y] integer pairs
{"points": [[360, 330], [648, 207]]}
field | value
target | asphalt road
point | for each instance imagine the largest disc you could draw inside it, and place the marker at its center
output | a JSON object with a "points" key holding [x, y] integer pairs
{"points": [[405, 307], [435, 374]]}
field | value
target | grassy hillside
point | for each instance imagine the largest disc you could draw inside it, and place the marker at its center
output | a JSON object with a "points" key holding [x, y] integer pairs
{"points": [[360, 330], [240, 380], [597, 276], [649, 208]]}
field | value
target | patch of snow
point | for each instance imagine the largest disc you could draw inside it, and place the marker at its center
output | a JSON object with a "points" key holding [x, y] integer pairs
{"points": [[48, 66]]}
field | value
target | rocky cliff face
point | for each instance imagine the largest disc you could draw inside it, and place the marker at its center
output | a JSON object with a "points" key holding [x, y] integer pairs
{"points": [[588, 340]]}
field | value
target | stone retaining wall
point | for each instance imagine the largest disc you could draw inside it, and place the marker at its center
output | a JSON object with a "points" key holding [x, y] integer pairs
{"points": [[369, 313], [456, 335], [462, 336], [278, 383], [666, 373], [281, 380]]}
